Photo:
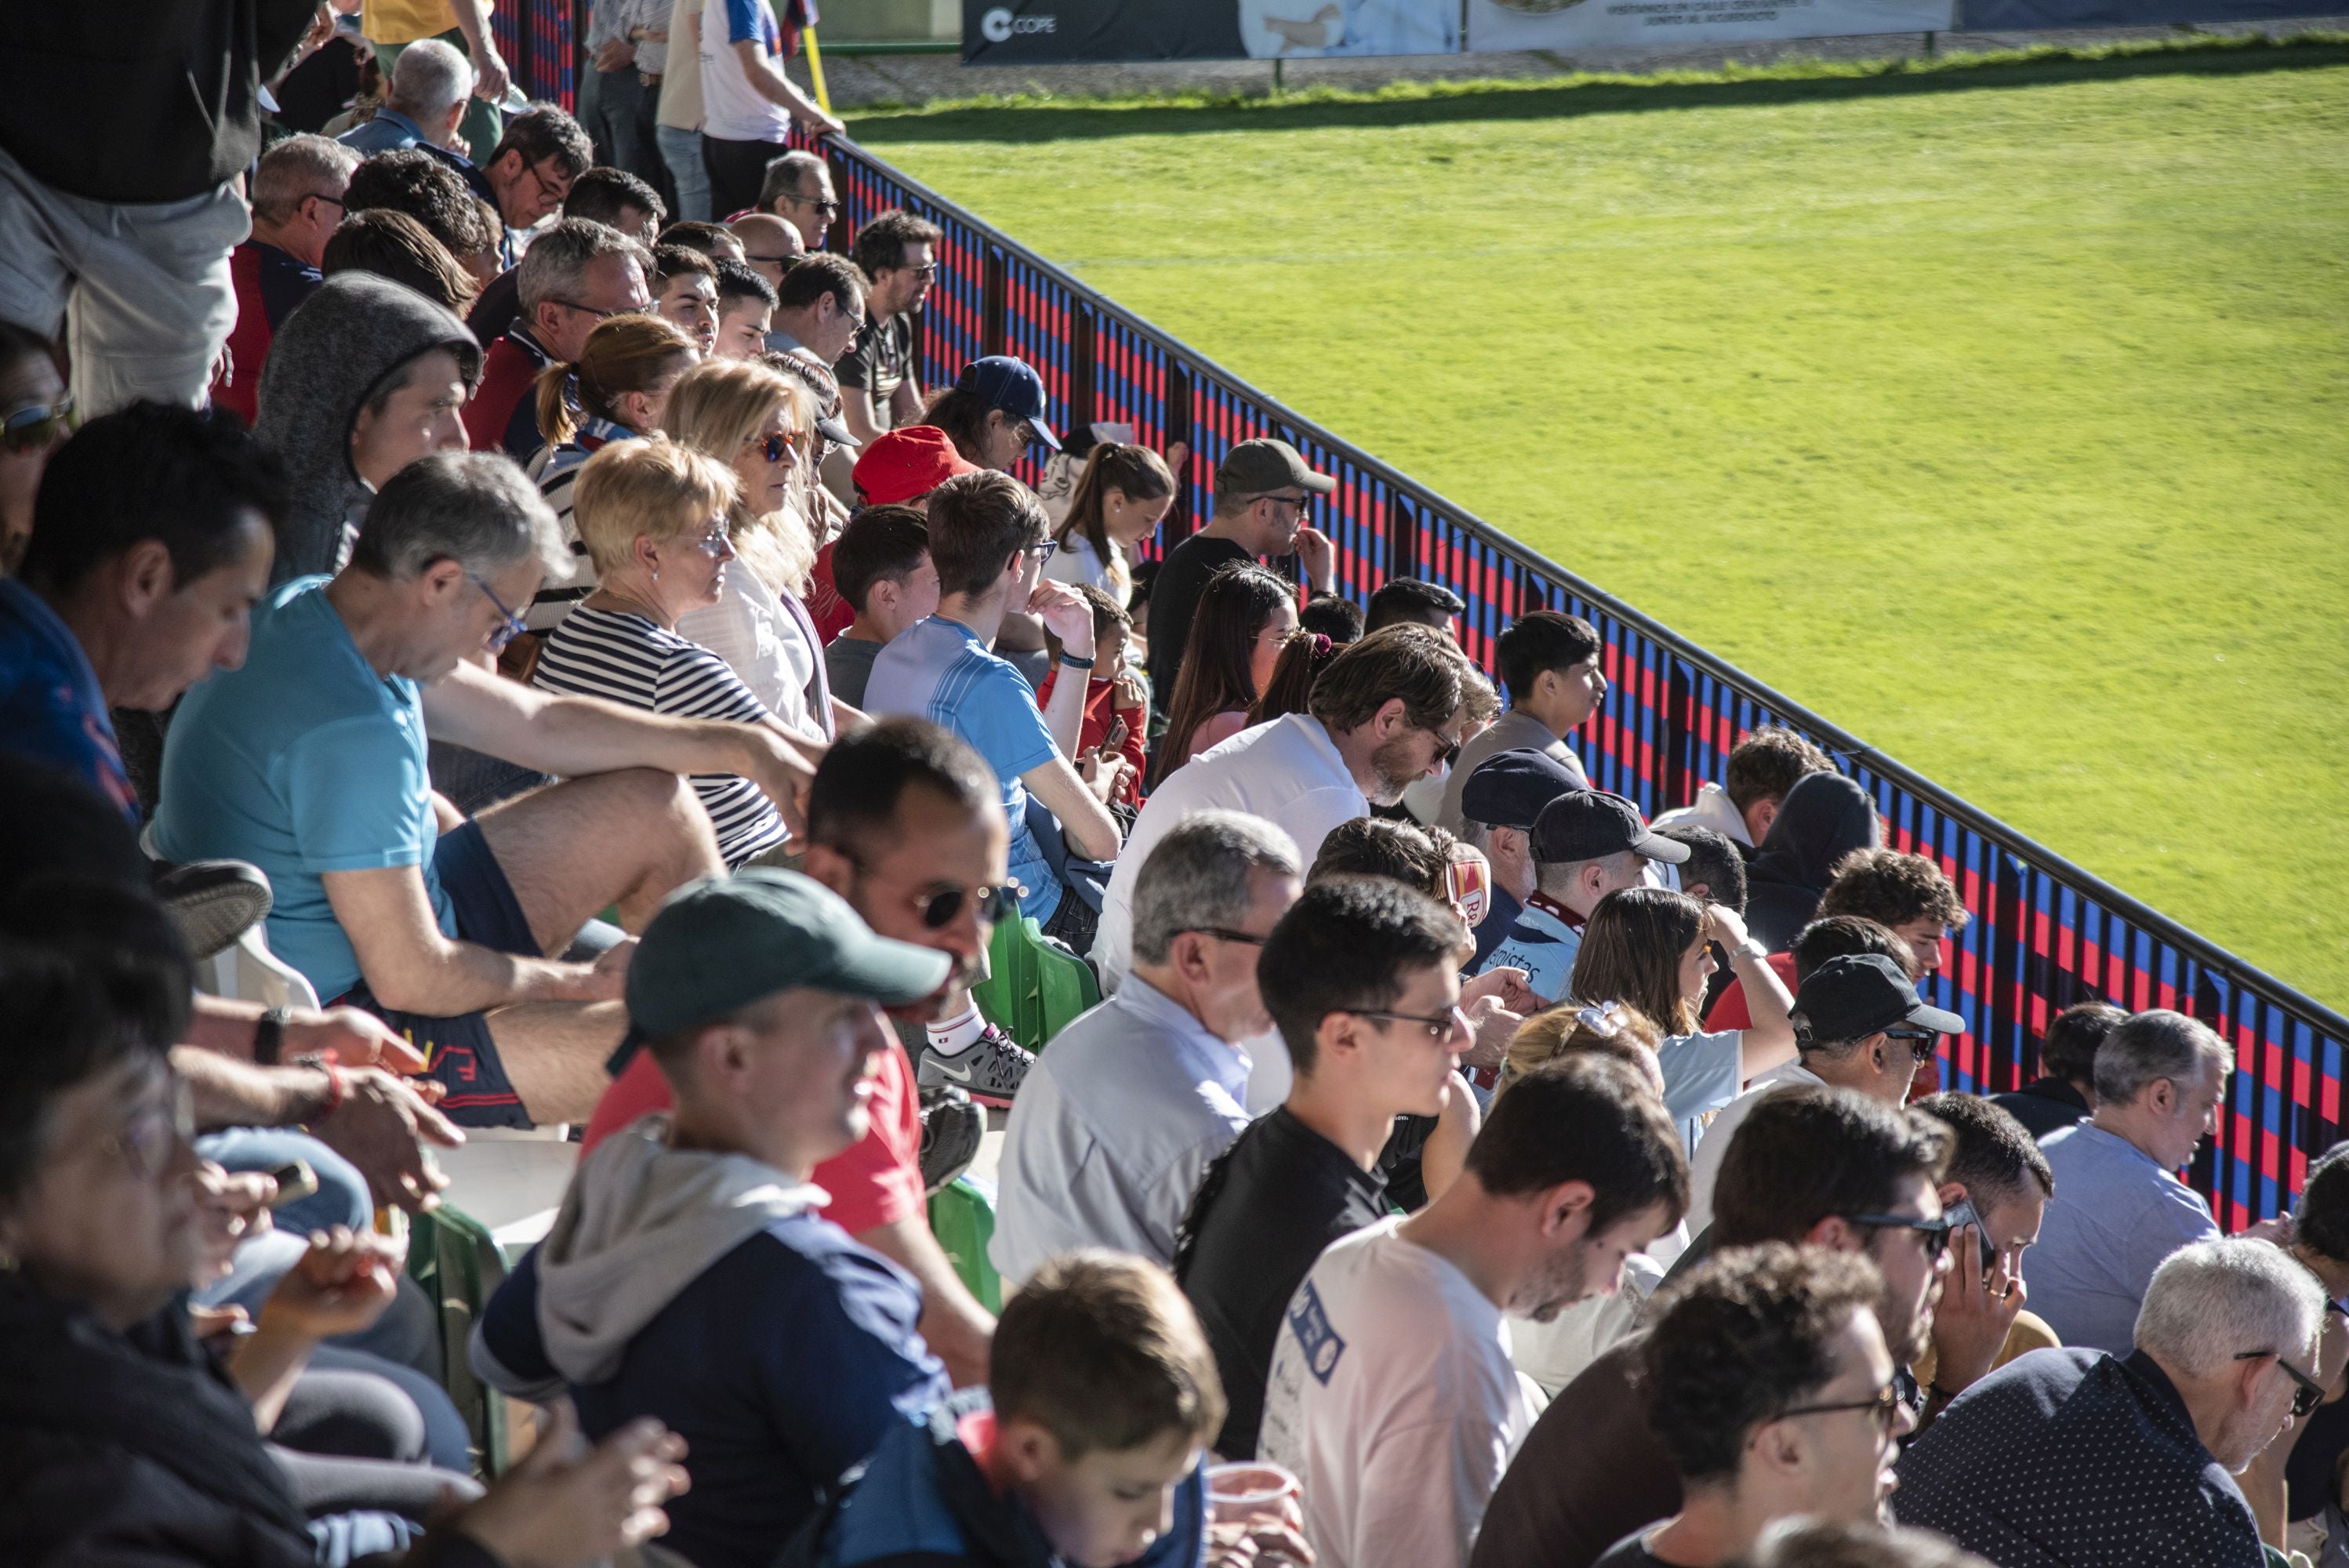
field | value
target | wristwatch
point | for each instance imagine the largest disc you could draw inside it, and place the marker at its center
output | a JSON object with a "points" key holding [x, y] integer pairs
{"points": [[269, 1035]]}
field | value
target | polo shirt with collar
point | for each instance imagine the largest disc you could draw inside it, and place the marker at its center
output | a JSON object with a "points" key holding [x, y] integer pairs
{"points": [[1289, 772], [2116, 1214], [1543, 942], [2067, 1458], [1111, 1131]]}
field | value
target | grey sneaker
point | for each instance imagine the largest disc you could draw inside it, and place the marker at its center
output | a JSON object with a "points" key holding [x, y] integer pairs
{"points": [[989, 1070]]}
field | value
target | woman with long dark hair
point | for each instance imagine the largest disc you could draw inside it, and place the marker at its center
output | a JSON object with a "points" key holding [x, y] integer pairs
{"points": [[1652, 949], [1245, 614], [1121, 498]]}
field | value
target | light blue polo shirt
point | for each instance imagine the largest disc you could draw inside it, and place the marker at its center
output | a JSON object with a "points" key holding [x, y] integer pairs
{"points": [[940, 670], [303, 761], [2116, 1214]]}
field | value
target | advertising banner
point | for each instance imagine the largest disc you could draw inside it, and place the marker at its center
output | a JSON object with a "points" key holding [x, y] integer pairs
{"points": [[1570, 25], [1044, 32]]}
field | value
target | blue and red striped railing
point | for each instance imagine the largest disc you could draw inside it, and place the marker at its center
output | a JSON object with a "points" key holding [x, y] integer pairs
{"points": [[2045, 932]]}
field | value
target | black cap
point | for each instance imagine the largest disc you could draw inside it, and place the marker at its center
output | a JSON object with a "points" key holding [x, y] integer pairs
{"points": [[1509, 789], [1591, 825], [1859, 995]]}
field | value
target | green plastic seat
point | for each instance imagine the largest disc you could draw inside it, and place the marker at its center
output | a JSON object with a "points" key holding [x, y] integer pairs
{"points": [[962, 1217], [456, 1261], [1033, 988]]}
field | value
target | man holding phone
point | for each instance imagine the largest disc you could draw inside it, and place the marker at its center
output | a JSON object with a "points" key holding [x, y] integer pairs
{"points": [[1994, 1195]]}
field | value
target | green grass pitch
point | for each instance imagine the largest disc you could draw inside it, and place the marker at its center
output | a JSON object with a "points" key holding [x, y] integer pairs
{"points": [[1999, 411]]}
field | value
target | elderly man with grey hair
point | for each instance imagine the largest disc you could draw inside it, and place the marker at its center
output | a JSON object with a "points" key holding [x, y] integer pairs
{"points": [[797, 190], [576, 275], [298, 204], [1126, 1109], [309, 762], [431, 84], [2080, 1459], [2120, 1208]]}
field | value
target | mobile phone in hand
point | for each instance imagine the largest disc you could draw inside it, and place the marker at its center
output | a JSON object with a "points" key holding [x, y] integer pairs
{"points": [[295, 1180]]}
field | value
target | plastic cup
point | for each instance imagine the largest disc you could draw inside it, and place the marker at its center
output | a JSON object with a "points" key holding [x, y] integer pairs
{"points": [[1248, 1490]]}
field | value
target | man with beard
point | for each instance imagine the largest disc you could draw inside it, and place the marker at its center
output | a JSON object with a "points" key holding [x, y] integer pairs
{"points": [[1815, 1167], [903, 822], [1393, 1397], [1385, 714]]}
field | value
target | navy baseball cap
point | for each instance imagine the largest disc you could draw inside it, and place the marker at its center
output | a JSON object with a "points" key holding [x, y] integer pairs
{"points": [[1509, 789], [1591, 825], [1859, 995], [1012, 386]]}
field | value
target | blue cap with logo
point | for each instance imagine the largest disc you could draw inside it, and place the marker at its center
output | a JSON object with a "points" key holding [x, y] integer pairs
{"points": [[1012, 386]]}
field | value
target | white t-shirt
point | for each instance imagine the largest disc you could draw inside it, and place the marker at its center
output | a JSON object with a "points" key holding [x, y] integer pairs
{"points": [[1076, 563], [731, 108], [1704, 1169], [1287, 771], [773, 649], [1393, 1399]]}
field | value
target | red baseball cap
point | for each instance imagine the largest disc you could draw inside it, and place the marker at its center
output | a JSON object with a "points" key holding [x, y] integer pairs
{"points": [[903, 464]]}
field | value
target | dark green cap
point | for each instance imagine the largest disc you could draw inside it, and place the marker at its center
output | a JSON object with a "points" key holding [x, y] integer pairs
{"points": [[718, 946]]}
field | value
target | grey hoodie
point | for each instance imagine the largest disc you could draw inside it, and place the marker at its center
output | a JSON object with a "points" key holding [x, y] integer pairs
{"points": [[340, 347], [642, 1221]]}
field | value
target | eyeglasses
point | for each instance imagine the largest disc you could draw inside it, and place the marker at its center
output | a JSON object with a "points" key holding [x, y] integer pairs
{"points": [[823, 205], [1044, 551], [772, 448], [1933, 1233], [547, 188], [154, 1133], [941, 906], [1223, 933], [2307, 1397], [925, 270], [1440, 1028], [514, 625], [1885, 1407], [334, 202], [1921, 1042], [33, 427], [598, 314], [1449, 752], [718, 540]]}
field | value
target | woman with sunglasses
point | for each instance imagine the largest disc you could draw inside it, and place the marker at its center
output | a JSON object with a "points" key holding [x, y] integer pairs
{"points": [[126, 1436], [1651, 950], [757, 423], [36, 414], [651, 516], [1245, 614]]}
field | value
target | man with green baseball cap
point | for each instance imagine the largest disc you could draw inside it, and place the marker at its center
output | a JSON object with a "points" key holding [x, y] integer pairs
{"points": [[1264, 492], [689, 1274]]}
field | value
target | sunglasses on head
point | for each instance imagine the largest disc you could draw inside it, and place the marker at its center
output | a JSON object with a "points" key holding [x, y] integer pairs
{"points": [[37, 426]]}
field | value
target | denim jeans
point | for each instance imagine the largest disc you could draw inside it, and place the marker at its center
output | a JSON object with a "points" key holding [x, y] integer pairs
{"points": [[682, 151]]}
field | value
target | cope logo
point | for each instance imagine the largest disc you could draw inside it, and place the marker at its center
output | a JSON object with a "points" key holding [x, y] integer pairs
{"points": [[999, 25]]}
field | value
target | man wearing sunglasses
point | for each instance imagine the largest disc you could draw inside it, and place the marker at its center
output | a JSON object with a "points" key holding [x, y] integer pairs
{"points": [[2085, 1458], [1769, 1383], [1264, 503], [797, 190], [903, 823], [878, 389], [1113, 1130], [1858, 1024], [1813, 1167]]}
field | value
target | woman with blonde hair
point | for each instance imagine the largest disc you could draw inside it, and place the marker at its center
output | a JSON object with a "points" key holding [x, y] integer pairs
{"points": [[1121, 497], [1652, 949], [652, 514], [616, 389], [757, 422]]}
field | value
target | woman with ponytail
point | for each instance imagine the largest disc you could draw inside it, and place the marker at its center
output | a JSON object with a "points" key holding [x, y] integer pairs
{"points": [[1120, 499], [618, 387]]}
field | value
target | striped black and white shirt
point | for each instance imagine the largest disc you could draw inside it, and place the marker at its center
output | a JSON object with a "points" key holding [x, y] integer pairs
{"points": [[625, 658]]}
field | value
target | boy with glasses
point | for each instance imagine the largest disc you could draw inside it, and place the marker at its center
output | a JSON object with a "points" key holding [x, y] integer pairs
{"points": [[1112, 1132], [1769, 1383]]}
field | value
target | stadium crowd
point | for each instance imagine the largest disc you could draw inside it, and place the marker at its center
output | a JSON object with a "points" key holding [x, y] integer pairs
{"points": [[505, 578]]}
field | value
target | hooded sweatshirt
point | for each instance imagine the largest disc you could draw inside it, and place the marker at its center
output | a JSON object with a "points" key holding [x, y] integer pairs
{"points": [[347, 343], [705, 1290], [1825, 817]]}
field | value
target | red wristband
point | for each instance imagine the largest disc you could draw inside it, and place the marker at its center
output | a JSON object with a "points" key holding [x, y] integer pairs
{"points": [[338, 1087]]}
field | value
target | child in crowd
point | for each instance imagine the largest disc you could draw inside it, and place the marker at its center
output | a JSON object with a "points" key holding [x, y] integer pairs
{"points": [[881, 566], [1085, 1450], [1116, 711]]}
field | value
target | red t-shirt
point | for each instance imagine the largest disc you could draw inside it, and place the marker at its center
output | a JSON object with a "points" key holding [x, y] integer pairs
{"points": [[1730, 1010], [508, 374], [875, 1182], [1101, 707]]}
